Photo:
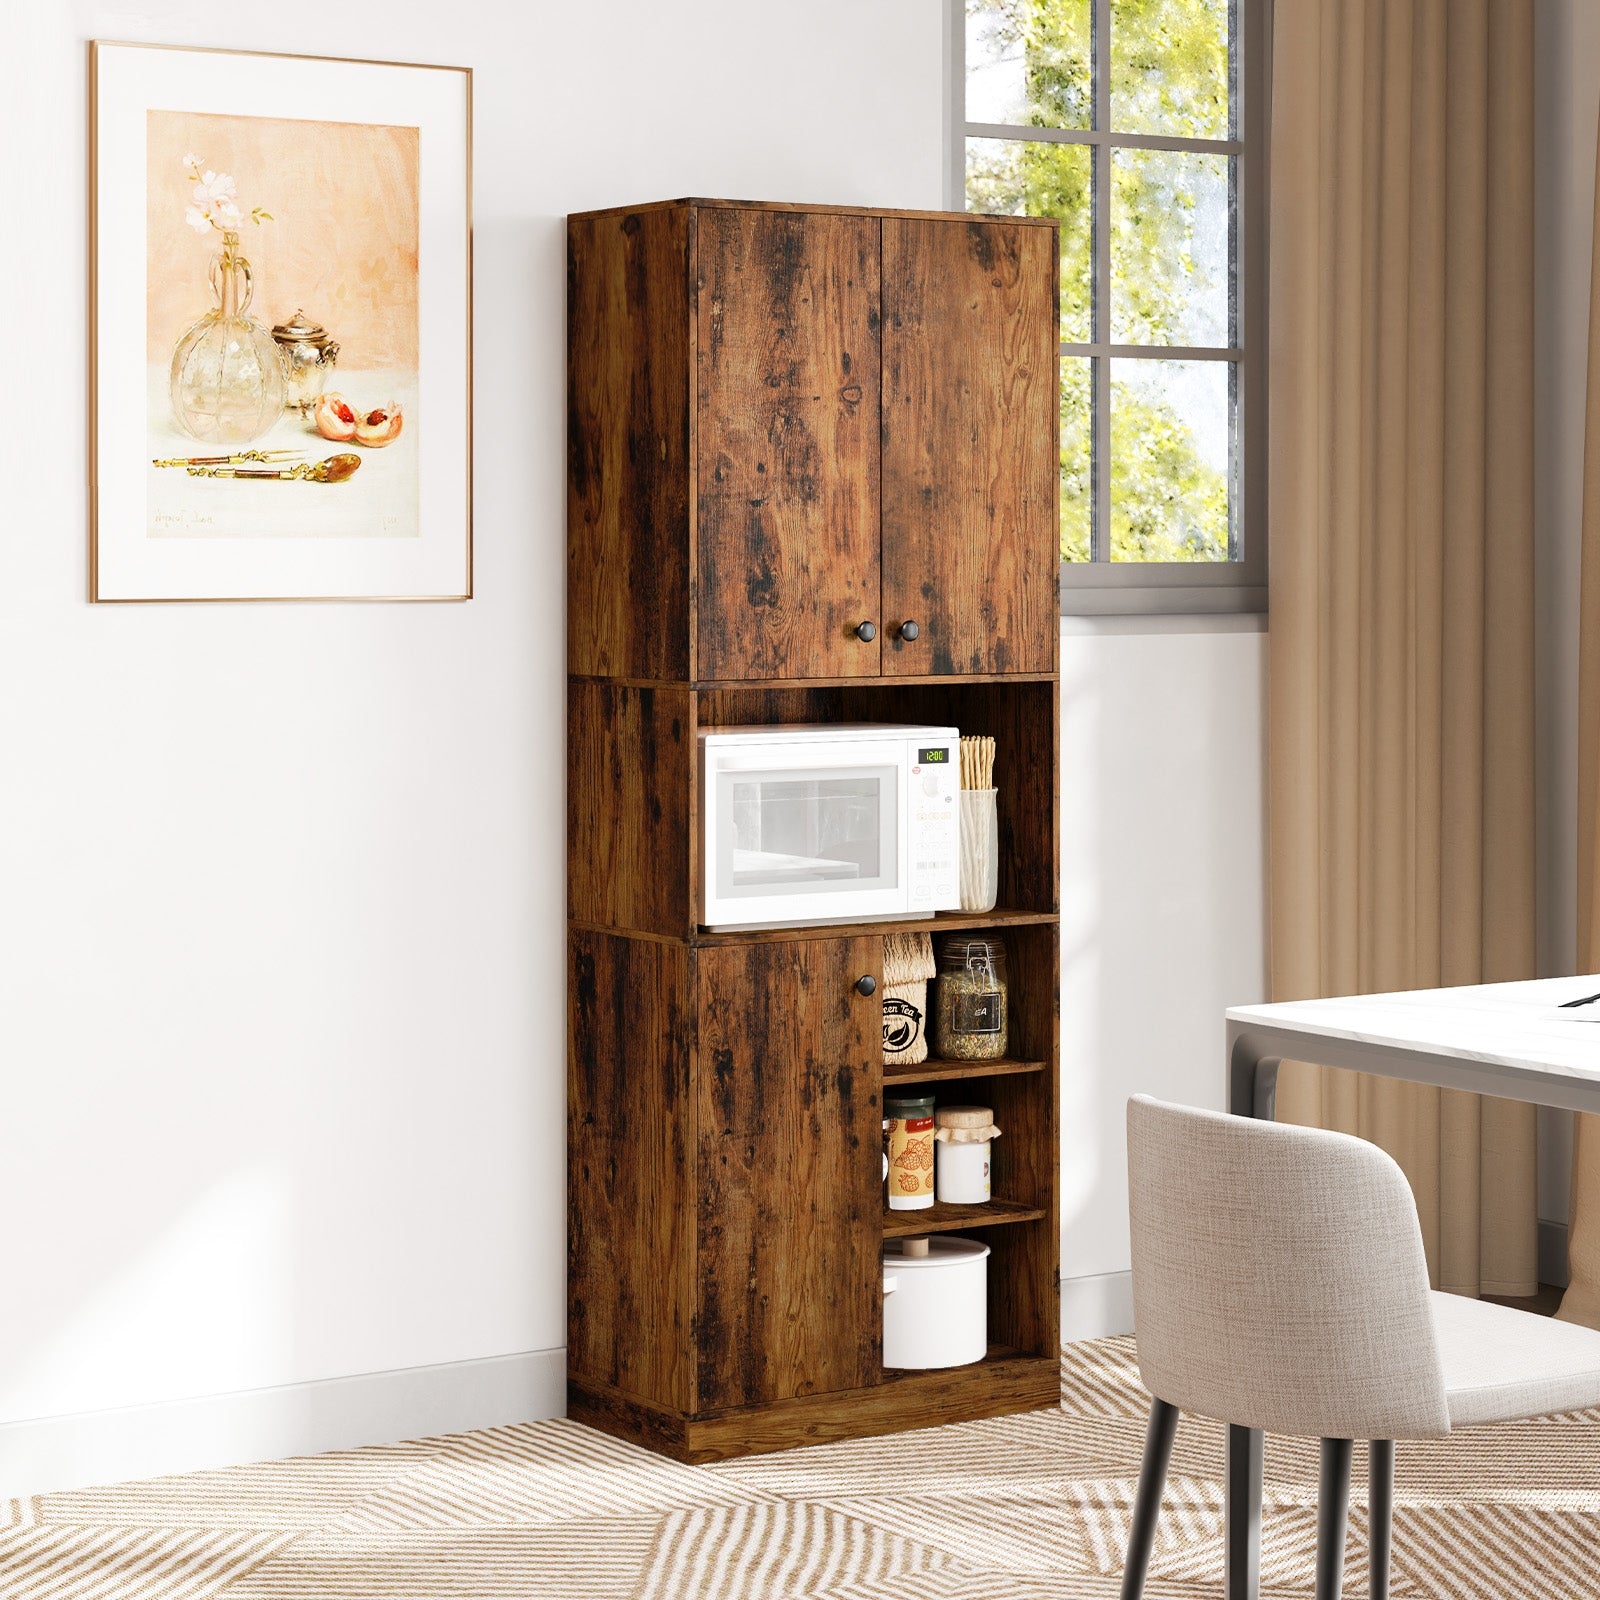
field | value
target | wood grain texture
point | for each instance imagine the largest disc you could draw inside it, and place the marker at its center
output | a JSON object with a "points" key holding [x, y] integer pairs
{"points": [[1005, 1381], [789, 1138], [944, 922], [970, 454], [788, 396], [760, 707], [948, 1217], [630, 787], [806, 206], [907, 1075], [1024, 1278], [629, 475], [630, 1167]]}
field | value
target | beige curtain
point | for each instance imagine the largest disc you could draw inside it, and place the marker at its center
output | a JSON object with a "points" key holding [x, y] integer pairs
{"points": [[1581, 1303], [1401, 510]]}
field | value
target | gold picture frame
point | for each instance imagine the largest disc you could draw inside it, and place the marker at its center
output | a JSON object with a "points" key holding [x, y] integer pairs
{"points": [[227, 460]]}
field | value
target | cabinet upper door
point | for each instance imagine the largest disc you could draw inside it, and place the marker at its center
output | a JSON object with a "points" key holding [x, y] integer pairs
{"points": [[970, 446], [787, 438], [791, 1198]]}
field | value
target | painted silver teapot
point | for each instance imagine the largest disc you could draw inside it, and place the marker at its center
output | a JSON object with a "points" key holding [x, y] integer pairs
{"points": [[308, 357]]}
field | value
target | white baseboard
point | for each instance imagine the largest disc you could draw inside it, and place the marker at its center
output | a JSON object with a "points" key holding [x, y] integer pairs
{"points": [[100, 1447], [1553, 1253], [1096, 1307]]}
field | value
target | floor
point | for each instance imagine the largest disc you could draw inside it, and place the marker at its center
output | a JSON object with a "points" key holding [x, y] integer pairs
{"points": [[1545, 1303], [1032, 1507]]}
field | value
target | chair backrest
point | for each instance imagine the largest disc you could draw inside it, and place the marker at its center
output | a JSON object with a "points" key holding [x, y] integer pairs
{"points": [[1279, 1280]]}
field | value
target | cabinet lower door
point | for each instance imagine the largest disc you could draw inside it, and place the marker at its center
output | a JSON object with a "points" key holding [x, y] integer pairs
{"points": [[970, 428], [789, 1066], [787, 440]]}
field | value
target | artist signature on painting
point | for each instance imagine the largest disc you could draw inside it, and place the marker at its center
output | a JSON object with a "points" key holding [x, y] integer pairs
{"points": [[171, 521]]}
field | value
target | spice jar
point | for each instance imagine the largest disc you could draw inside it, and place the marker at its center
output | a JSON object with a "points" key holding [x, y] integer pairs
{"points": [[909, 1121], [970, 1008], [961, 1154]]}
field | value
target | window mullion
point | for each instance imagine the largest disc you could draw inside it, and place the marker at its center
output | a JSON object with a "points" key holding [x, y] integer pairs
{"points": [[1100, 526]]}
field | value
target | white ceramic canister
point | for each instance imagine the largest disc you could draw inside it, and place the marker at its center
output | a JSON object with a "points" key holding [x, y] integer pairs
{"points": [[961, 1154], [937, 1314]]}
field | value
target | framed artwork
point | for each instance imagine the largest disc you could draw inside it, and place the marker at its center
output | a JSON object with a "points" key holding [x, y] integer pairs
{"points": [[281, 352]]}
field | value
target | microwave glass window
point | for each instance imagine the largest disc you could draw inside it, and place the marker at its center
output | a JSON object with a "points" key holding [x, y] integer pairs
{"points": [[807, 832]]}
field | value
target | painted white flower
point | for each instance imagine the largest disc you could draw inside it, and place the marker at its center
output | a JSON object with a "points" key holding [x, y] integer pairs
{"points": [[216, 186], [213, 202]]}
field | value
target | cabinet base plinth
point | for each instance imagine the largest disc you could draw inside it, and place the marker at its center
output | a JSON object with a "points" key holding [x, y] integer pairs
{"points": [[1005, 1381]]}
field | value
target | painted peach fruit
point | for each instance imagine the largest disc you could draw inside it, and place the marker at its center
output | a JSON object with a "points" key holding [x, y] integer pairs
{"points": [[379, 427], [335, 418]]}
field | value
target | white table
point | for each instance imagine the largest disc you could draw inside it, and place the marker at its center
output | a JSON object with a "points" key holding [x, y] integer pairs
{"points": [[1505, 1039]]}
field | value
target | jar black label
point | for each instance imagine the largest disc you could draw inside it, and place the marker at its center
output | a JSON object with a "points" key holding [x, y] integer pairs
{"points": [[902, 1023], [979, 1013]]}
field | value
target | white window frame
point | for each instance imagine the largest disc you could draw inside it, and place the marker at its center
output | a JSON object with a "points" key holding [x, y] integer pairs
{"points": [[1101, 587]]}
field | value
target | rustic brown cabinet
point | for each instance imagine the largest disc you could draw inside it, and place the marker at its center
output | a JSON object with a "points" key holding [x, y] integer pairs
{"points": [[831, 419], [786, 422]]}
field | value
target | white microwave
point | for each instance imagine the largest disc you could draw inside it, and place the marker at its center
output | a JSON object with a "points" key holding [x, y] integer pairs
{"points": [[804, 826]]}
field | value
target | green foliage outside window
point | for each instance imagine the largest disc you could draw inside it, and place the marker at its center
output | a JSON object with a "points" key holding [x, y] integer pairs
{"points": [[1169, 252]]}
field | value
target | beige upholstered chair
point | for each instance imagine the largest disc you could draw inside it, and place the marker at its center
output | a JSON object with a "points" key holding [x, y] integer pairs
{"points": [[1279, 1283]]}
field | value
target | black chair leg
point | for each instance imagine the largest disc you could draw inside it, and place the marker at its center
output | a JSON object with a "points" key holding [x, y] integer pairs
{"points": [[1242, 1472], [1147, 1506], [1333, 1516], [1380, 1517]]}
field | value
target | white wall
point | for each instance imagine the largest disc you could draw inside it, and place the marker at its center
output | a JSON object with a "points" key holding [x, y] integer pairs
{"points": [[1163, 903], [281, 971], [1567, 68], [281, 976]]}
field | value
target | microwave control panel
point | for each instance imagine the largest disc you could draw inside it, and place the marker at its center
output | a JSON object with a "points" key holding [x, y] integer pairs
{"points": [[933, 827]]}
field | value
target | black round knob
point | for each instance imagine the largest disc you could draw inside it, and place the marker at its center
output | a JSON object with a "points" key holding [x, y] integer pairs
{"points": [[867, 984], [866, 632], [909, 631]]}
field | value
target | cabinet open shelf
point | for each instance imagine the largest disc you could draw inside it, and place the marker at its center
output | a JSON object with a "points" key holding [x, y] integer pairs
{"points": [[931, 1071], [945, 1217], [995, 1355], [940, 922]]}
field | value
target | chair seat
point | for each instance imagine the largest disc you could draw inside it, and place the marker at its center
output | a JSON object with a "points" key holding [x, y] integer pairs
{"points": [[1501, 1364]]}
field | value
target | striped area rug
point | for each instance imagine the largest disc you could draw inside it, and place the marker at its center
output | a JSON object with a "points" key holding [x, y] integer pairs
{"points": [[1032, 1507]]}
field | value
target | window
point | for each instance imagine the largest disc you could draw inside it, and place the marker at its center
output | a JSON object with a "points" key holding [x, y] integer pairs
{"points": [[1140, 125]]}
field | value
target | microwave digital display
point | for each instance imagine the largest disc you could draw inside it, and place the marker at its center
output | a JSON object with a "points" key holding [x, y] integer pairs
{"points": [[938, 755]]}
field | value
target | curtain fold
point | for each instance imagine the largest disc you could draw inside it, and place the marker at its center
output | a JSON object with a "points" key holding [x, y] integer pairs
{"points": [[1400, 748], [1581, 1302]]}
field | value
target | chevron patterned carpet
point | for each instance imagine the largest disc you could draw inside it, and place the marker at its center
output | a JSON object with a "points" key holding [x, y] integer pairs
{"points": [[1032, 1507]]}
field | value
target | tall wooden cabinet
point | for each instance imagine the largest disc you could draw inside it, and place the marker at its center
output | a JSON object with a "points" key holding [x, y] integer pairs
{"points": [[812, 478]]}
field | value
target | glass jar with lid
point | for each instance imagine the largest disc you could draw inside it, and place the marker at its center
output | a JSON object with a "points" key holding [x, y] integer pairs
{"points": [[971, 1011], [908, 1122]]}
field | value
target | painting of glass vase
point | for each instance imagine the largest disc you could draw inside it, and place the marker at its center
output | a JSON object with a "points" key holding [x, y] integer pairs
{"points": [[278, 240], [228, 380]]}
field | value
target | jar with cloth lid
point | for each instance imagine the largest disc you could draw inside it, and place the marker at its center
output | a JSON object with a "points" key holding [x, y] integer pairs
{"points": [[961, 1154]]}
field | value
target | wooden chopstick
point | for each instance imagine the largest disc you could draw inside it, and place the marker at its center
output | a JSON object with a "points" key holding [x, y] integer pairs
{"points": [[977, 762]]}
